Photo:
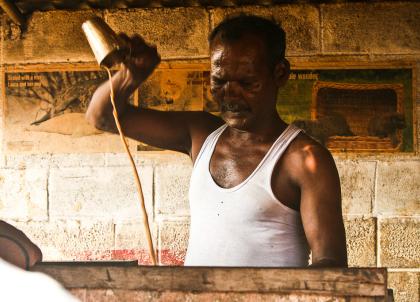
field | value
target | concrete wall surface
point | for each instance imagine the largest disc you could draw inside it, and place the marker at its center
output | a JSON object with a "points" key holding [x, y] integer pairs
{"points": [[84, 207]]}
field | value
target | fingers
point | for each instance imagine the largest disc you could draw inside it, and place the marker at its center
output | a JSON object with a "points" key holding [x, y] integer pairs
{"points": [[124, 40], [35, 255], [135, 43], [138, 40], [142, 59]]}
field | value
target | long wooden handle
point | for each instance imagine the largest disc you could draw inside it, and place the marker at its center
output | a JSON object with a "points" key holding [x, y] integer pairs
{"points": [[136, 176]]}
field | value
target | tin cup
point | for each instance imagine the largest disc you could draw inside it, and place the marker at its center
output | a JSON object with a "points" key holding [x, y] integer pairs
{"points": [[108, 49]]}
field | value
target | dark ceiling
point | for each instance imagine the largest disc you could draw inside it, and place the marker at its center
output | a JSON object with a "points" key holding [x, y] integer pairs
{"points": [[30, 6]]}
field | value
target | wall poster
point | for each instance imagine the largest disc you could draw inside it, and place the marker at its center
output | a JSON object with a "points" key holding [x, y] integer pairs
{"points": [[348, 108], [353, 108], [44, 105]]}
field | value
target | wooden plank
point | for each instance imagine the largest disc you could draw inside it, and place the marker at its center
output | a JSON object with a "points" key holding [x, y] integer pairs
{"points": [[368, 282], [130, 295]]}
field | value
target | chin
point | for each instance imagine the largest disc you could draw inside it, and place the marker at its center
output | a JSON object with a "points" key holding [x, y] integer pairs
{"points": [[237, 123], [240, 121]]}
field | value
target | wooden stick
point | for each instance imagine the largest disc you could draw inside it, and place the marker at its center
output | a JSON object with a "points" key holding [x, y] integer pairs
{"points": [[136, 175]]}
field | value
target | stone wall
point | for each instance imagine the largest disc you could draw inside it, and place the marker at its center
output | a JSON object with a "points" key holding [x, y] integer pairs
{"points": [[84, 206]]}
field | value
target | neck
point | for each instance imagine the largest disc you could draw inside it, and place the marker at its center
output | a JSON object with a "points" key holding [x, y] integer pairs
{"points": [[266, 130]]}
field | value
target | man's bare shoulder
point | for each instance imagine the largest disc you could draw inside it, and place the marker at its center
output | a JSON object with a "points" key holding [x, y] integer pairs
{"points": [[204, 121], [306, 156], [201, 125]]}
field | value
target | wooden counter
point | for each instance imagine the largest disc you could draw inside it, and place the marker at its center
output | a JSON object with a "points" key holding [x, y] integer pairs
{"points": [[109, 281]]}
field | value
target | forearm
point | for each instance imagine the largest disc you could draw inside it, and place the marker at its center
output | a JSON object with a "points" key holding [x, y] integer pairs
{"points": [[100, 110], [329, 262]]}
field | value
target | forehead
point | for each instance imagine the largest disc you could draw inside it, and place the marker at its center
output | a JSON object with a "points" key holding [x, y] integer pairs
{"points": [[246, 54]]}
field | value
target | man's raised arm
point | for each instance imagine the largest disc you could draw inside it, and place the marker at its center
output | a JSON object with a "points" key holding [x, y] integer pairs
{"points": [[168, 130]]}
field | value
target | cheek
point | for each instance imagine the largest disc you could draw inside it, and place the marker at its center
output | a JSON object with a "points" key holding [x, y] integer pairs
{"points": [[216, 93], [256, 89], [251, 96]]}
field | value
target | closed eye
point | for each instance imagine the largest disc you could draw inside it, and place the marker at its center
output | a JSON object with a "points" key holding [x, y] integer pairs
{"points": [[247, 84], [218, 82]]}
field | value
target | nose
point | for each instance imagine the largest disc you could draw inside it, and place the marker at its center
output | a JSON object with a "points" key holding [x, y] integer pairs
{"points": [[231, 88]]}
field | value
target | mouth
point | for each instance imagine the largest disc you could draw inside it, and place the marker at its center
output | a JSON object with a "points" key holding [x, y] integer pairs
{"points": [[234, 108]]}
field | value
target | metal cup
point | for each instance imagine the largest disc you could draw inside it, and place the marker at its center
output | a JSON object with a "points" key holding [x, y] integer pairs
{"points": [[107, 48]]}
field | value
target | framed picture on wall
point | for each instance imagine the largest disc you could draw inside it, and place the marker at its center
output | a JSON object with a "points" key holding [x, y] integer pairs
{"points": [[351, 107]]}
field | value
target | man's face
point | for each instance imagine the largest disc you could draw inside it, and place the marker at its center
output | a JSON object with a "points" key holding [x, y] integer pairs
{"points": [[242, 82]]}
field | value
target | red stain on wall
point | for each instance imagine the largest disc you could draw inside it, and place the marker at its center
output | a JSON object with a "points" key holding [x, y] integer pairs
{"points": [[168, 257], [165, 257]]}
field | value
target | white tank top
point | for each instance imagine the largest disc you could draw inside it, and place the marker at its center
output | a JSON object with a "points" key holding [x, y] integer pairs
{"points": [[244, 225]]}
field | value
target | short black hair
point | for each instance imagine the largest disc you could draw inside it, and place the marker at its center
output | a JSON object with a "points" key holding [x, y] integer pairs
{"points": [[235, 27]]}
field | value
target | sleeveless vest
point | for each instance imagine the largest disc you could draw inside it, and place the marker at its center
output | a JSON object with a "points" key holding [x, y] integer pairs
{"points": [[244, 225]]}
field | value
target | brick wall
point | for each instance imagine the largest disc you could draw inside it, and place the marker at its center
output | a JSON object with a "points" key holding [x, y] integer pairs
{"points": [[84, 206]]}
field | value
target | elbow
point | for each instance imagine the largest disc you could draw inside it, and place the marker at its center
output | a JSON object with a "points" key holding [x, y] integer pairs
{"points": [[92, 118], [96, 113], [97, 120]]}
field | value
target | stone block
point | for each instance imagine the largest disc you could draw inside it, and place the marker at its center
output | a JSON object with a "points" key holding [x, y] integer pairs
{"points": [[2, 156], [21, 161], [405, 286], [131, 236], [121, 159], [300, 22], [171, 189], [361, 241], [98, 192], [131, 242], [398, 189], [77, 160], [173, 242], [399, 242], [374, 28], [53, 36], [177, 32], [357, 185], [61, 240], [23, 194]]}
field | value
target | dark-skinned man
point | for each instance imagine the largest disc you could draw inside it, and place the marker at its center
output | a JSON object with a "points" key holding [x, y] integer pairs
{"points": [[262, 193]]}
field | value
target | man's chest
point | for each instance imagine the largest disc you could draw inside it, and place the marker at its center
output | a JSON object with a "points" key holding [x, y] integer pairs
{"points": [[229, 169], [231, 165]]}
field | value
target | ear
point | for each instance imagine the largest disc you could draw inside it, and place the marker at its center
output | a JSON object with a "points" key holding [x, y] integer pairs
{"points": [[281, 72]]}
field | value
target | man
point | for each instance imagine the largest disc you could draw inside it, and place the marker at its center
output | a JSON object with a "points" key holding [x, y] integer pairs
{"points": [[261, 191]]}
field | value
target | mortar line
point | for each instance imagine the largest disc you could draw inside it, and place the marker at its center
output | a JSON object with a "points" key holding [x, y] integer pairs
{"points": [[374, 213], [153, 193], [378, 243], [187, 58], [114, 227], [321, 30], [2, 42], [48, 194], [158, 244], [408, 270], [3, 84], [374, 191]]}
